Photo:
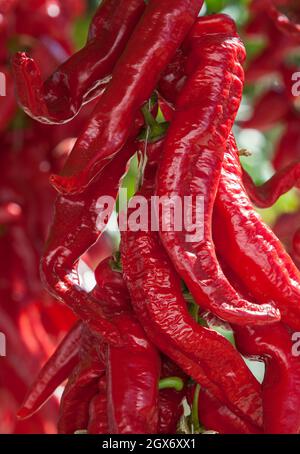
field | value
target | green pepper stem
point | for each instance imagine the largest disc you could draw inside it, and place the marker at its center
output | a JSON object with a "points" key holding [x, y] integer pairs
{"points": [[195, 410], [171, 383]]}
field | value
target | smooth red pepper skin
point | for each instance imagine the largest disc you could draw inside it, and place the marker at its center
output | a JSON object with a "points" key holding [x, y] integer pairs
{"points": [[78, 80], [266, 194], [54, 372], [242, 237], [282, 377], [161, 309], [192, 164], [133, 82], [73, 232]]}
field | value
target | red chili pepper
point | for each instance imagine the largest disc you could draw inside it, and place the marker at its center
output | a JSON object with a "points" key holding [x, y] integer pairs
{"points": [[81, 388], [132, 377], [271, 108], [133, 368], [279, 46], [73, 232], [170, 408], [81, 77], [215, 415], [267, 269], [195, 167], [268, 193], [288, 148], [296, 243], [282, 376], [133, 81], [55, 371], [98, 423], [287, 25], [158, 302]]}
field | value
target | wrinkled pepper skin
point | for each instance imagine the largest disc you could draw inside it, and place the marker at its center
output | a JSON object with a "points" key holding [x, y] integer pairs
{"points": [[170, 408], [242, 237], [133, 368], [79, 79], [98, 423], [266, 194], [133, 81], [73, 232], [192, 163], [282, 377], [81, 388], [156, 296], [216, 416], [132, 380], [54, 372]]}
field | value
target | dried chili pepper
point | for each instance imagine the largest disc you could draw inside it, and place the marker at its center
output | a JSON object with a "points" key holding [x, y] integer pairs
{"points": [[170, 408], [266, 194], [81, 388], [55, 371], [73, 232], [132, 380], [282, 376], [80, 78], [192, 165], [215, 415], [271, 108], [288, 148], [133, 81], [158, 302], [98, 422], [267, 269], [133, 368]]}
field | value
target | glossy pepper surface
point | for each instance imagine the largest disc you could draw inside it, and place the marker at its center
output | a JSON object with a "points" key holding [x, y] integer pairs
{"points": [[192, 165], [133, 81]]}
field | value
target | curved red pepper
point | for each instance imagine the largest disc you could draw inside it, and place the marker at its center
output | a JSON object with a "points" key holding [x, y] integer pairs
{"points": [[267, 269], [81, 388], [73, 232], [158, 302], [132, 380], [170, 408], [133, 368], [215, 415], [288, 148], [54, 372], [271, 108], [266, 194], [282, 377], [98, 423], [81, 77], [192, 163], [133, 81]]}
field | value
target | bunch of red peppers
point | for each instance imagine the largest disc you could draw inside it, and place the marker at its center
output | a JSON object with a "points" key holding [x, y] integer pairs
{"points": [[157, 344]]}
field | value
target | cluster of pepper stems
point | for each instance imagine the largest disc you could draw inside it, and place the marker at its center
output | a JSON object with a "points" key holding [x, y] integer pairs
{"points": [[144, 340]]}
